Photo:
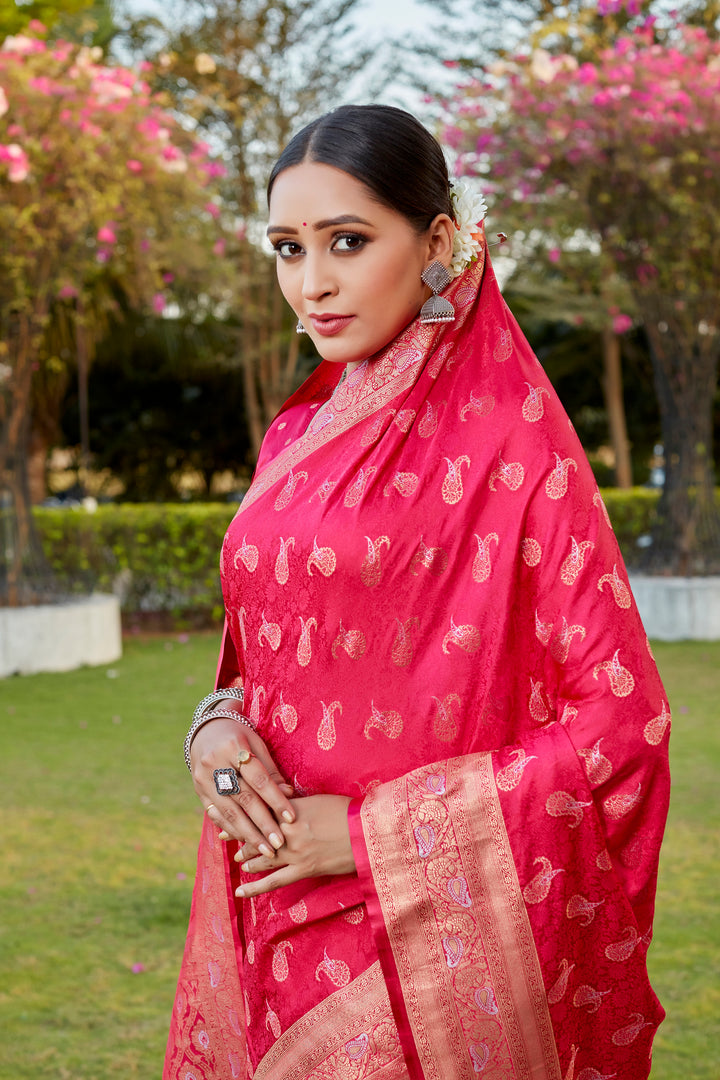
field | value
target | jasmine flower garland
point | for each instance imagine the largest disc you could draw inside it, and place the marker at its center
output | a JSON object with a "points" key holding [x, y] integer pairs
{"points": [[469, 209]]}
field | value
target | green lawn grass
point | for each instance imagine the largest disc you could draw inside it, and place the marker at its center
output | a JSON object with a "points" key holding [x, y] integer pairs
{"points": [[99, 834]]}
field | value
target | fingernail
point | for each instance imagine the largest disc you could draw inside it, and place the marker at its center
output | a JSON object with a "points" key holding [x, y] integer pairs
{"points": [[223, 835], [238, 856], [240, 891], [246, 867], [287, 816], [266, 851], [275, 840]]}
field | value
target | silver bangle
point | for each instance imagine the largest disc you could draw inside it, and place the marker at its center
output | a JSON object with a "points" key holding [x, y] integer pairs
{"points": [[236, 692], [215, 714]]}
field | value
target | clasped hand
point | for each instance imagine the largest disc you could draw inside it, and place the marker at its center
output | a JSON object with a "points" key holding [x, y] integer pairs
{"points": [[294, 838]]}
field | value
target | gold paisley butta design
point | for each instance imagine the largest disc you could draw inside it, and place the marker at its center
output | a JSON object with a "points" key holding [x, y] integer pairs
{"points": [[533, 408], [482, 567], [388, 722], [286, 495], [326, 735], [445, 721], [620, 591], [466, 637], [510, 775], [575, 561], [402, 647], [282, 565], [477, 406], [452, 487], [511, 474], [371, 569], [556, 485], [353, 642], [432, 559], [248, 555], [322, 559]]}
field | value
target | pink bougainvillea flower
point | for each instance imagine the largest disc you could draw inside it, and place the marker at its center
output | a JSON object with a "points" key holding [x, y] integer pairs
{"points": [[134, 165], [554, 254], [106, 234], [168, 278], [173, 160], [137, 969], [37, 27], [67, 292], [621, 324], [3, 102], [241, 232], [219, 247], [22, 45], [213, 209], [158, 303], [17, 161]]}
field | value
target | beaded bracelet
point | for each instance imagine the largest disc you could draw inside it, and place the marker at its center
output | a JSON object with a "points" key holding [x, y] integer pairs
{"points": [[215, 714]]}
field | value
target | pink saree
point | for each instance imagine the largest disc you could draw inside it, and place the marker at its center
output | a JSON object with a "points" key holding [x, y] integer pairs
{"points": [[429, 612]]}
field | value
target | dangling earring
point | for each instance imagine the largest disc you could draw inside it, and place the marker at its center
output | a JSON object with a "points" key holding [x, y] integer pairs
{"points": [[300, 329], [437, 308]]}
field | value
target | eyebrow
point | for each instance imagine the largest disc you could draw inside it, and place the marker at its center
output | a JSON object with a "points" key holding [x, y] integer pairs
{"points": [[326, 223]]}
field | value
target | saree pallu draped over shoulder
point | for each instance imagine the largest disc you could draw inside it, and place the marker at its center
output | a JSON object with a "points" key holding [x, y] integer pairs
{"points": [[429, 612]]}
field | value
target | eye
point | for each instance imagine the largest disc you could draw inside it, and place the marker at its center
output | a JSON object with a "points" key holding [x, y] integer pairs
{"points": [[286, 249], [347, 242]]}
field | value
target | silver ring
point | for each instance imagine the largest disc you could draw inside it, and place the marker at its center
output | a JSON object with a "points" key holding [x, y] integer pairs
{"points": [[226, 781]]}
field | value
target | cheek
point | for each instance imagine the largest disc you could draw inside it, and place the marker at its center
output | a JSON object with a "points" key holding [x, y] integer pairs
{"points": [[288, 282]]}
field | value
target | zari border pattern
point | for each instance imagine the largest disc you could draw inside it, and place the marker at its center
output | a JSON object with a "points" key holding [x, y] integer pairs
{"points": [[455, 917], [351, 1035]]}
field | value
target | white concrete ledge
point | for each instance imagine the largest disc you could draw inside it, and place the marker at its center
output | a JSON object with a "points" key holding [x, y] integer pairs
{"points": [[60, 637], [678, 609]]}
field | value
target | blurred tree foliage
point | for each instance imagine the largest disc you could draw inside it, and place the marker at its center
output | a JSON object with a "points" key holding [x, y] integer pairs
{"points": [[166, 402], [249, 73], [613, 159]]}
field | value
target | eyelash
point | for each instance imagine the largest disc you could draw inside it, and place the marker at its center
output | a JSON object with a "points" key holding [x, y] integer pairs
{"points": [[280, 244]]}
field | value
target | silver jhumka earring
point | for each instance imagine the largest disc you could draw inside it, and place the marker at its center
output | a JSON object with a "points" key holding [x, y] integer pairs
{"points": [[300, 329], [437, 308]]}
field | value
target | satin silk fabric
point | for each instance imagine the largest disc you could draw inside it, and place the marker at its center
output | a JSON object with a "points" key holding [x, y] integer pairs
{"points": [[429, 612]]}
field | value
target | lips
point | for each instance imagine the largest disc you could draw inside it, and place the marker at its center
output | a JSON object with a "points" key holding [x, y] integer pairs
{"points": [[330, 324]]}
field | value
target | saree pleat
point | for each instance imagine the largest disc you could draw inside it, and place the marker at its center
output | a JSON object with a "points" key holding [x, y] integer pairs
{"points": [[429, 613]]}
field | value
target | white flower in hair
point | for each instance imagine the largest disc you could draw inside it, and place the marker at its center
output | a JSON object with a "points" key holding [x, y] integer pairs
{"points": [[469, 208]]}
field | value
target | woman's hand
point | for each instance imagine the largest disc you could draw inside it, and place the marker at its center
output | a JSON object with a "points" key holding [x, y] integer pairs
{"points": [[253, 815], [316, 844]]}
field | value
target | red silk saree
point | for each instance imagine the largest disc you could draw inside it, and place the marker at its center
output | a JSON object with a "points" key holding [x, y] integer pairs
{"points": [[428, 610]]}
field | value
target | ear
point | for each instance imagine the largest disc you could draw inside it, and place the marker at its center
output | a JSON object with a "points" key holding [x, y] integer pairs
{"points": [[440, 240]]}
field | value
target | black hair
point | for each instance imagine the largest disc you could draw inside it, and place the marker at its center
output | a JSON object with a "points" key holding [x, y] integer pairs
{"points": [[386, 149]]}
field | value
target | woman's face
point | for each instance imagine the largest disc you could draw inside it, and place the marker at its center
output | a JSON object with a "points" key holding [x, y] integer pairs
{"points": [[348, 266]]}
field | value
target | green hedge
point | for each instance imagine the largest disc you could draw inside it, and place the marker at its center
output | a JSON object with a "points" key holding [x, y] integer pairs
{"points": [[155, 557], [164, 557]]}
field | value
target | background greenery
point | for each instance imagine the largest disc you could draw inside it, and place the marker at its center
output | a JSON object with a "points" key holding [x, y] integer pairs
{"points": [[98, 843], [163, 558]]}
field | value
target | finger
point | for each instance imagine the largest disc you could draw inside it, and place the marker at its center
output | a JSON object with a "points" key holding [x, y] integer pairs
{"points": [[265, 828], [236, 825], [260, 864], [285, 876], [247, 851], [260, 773]]}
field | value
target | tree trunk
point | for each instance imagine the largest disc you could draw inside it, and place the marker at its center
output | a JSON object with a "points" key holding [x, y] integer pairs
{"points": [[23, 570], [615, 406], [37, 457], [684, 346]]}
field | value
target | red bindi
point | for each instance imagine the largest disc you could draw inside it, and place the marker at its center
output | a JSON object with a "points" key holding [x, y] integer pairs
{"points": [[305, 223]]}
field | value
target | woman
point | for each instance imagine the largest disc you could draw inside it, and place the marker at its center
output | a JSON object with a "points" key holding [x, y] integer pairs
{"points": [[440, 859]]}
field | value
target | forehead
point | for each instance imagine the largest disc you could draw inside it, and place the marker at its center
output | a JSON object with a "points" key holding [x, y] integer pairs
{"points": [[311, 191]]}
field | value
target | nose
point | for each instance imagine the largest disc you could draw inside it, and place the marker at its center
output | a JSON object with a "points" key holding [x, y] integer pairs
{"points": [[318, 279]]}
